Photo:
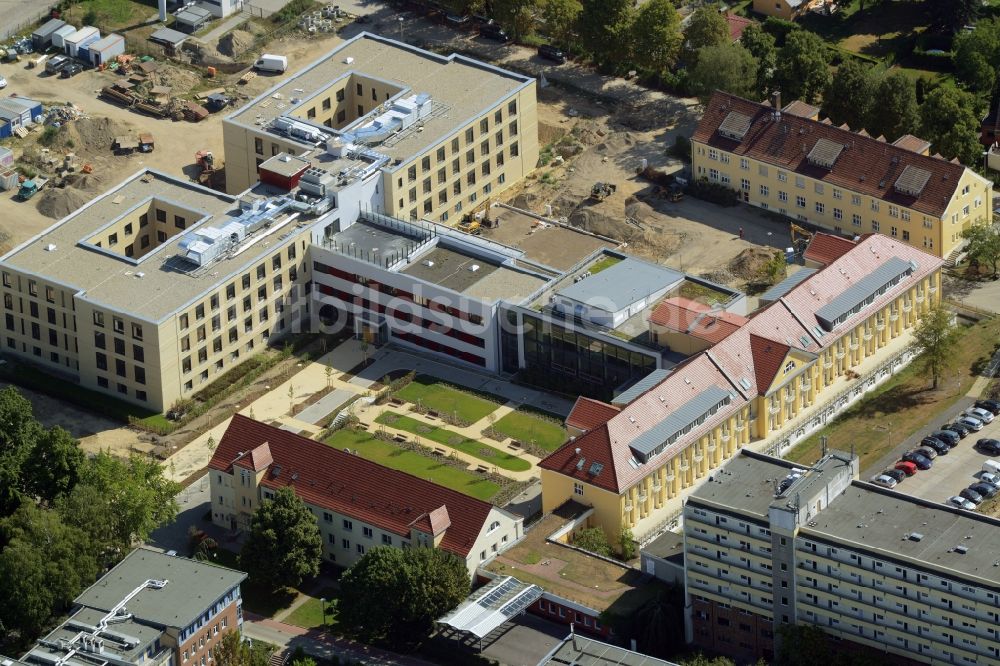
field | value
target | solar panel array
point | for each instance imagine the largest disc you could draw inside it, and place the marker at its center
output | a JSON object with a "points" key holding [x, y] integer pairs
{"points": [[735, 126], [862, 290], [913, 180], [687, 415], [825, 153]]}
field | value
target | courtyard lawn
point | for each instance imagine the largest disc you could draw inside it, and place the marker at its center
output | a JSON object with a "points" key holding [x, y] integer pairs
{"points": [[528, 428], [310, 614], [256, 598], [602, 264], [484, 452], [905, 401], [424, 467], [439, 397]]}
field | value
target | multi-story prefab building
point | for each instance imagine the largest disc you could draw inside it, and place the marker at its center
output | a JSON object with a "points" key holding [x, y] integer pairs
{"points": [[788, 161], [443, 133], [768, 544]]}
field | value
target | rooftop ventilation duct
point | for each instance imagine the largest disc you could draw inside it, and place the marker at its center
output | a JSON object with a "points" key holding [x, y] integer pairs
{"points": [[401, 114]]}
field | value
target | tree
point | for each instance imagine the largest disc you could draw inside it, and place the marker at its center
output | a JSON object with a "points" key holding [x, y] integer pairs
{"points": [[977, 54], [656, 35], [413, 587], [18, 433], [802, 645], [707, 27], [851, 94], [119, 502], [43, 567], [984, 244], [626, 544], [605, 26], [560, 18], [53, 468], [776, 268], [803, 66], [232, 650], [935, 338], [594, 540], [950, 122], [896, 112], [658, 624], [761, 46], [516, 15], [727, 67], [284, 545], [952, 15]]}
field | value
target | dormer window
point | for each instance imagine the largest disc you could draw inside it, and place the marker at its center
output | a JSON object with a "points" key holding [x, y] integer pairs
{"points": [[789, 367]]}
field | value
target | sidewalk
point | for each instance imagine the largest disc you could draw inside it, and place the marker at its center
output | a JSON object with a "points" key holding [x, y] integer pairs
{"points": [[321, 644]]}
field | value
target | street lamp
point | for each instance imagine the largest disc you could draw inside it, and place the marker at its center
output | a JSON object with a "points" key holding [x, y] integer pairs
{"points": [[322, 607], [401, 21]]}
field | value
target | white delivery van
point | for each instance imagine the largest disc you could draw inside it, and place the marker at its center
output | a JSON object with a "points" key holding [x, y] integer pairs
{"points": [[271, 63], [991, 466]]}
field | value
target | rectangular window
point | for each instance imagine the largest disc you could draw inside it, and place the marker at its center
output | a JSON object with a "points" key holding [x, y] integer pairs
{"points": [[800, 201]]}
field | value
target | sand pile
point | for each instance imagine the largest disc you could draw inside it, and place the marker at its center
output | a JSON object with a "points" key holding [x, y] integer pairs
{"points": [[236, 43], [95, 134], [749, 264], [614, 143], [58, 203], [180, 80]]}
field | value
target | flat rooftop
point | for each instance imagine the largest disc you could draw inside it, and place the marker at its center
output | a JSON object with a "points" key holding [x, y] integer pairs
{"points": [[473, 276], [461, 87], [621, 284], [83, 620], [570, 574], [167, 282], [884, 521], [192, 587], [557, 246], [581, 651], [667, 546], [744, 484]]}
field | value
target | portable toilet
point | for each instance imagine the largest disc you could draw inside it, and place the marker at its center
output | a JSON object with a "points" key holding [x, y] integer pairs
{"points": [[41, 39], [82, 37], [105, 49], [59, 36]]}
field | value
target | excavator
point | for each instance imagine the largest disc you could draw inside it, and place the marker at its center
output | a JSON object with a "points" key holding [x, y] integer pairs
{"points": [[800, 237]]}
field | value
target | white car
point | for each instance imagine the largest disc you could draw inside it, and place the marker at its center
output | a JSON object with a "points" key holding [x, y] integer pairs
{"points": [[981, 414], [884, 480], [972, 423], [962, 503], [3, 82], [990, 477]]}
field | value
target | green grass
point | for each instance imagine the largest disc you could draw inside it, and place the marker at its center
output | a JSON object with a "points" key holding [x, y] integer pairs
{"points": [[701, 293], [906, 401], [484, 452], [109, 14], [424, 467], [605, 263], [439, 397], [310, 614], [256, 599], [525, 427]]}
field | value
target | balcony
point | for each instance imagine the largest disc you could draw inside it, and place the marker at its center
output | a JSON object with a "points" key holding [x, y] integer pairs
{"points": [[880, 325], [907, 306], [920, 297], [806, 386], [841, 354], [670, 477], [712, 447], [773, 408], [789, 397], [893, 316], [657, 487], [643, 497], [827, 363], [685, 466], [726, 437], [868, 336], [628, 507], [932, 289]]}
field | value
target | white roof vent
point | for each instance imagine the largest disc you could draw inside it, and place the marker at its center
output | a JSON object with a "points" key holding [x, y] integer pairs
{"points": [[140, 274], [474, 267], [348, 60], [51, 247], [428, 263]]}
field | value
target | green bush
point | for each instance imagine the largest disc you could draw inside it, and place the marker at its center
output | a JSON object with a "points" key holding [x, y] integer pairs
{"points": [[49, 135], [681, 148], [716, 193], [779, 29], [292, 11]]}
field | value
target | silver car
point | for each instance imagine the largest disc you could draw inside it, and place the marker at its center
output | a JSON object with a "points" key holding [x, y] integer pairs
{"points": [[972, 423], [961, 503], [884, 480], [979, 413]]}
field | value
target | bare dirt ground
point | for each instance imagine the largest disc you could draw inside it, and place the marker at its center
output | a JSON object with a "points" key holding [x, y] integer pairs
{"points": [[547, 244]]}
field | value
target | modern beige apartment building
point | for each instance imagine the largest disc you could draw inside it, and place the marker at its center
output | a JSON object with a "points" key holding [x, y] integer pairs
{"points": [[359, 504], [768, 544], [776, 375], [146, 294], [444, 133], [788, 161]]}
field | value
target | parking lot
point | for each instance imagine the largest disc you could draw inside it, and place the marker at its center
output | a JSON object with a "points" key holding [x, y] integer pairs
{"points": [[952, 472]]}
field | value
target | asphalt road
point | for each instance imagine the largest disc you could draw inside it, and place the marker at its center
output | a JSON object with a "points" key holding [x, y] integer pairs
{"points": [[18, 14]]}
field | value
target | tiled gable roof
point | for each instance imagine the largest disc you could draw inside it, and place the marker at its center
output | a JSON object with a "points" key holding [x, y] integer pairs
{"points": [[826, 248], [327, 477], [695, 319], [257, 459], [767, 358], [595, 447], [588, 413], [737, 24], [865, 165]]}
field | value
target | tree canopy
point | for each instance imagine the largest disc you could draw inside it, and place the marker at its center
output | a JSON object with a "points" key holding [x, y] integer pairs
{"points": [[232, 650], [593, 539], [604, 26], [560, 18], [952, 15], [761, 46], [727, 67], [977, 55], [656, 35], [935, 338], [414, 587], [851, 94], [707, 27], [896, 112], [803, 66], [284, 545], [984, 244], [950, 121]]}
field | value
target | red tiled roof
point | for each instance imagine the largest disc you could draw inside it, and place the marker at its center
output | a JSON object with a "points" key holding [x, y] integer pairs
{"points": [[801, 109], [257, 459], [595, 447], [865, 165], [588, 413], [348, 484], [737, 24], [767, 358], [826, 248], [695, 319], [914, 143]]}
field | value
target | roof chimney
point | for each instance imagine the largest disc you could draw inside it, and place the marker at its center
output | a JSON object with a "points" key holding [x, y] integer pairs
{"points": [[776, 104]]}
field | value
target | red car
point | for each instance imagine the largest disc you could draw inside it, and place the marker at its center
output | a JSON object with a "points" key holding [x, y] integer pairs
{"points": [[906, 467]]}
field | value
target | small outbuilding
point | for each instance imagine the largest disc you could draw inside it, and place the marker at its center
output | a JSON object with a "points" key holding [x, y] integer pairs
{"points": [[168, 38], [41, 39], [82, 37], [59, 35], [6, 158], [192, 19], [17, 112], [104, 50]]}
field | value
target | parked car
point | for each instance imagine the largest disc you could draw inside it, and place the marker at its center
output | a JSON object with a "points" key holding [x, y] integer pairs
{"points": [[456, 20], [934, 443], [987, 490], [884, 480], [983, 415], [906, 467], [494, 31], [3, 82], [897, 474], [949, 437], [992, 406], [990, 446], [971, 495], [927, 452], [957, 428], [918, 459], [552, 53], [990, 477], [975, 424], [70, 70], [962, 503]]}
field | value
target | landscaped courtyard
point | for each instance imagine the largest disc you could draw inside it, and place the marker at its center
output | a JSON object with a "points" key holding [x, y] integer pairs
{"points": [[424, 467], [430, 393], [528, 428]]}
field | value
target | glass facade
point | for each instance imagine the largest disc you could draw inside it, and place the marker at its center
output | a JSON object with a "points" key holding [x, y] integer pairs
{"points": [[555, 353]]}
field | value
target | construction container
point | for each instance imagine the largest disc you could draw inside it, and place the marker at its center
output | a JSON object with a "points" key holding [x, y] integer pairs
{"points": [[6, 157], [105, 50], [58, 37], [41, 39], [82, 37], [8, 179]]}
